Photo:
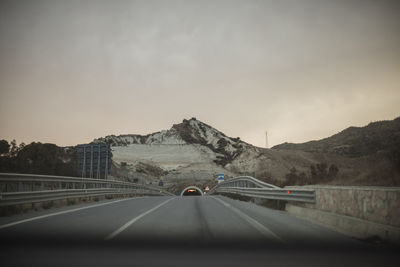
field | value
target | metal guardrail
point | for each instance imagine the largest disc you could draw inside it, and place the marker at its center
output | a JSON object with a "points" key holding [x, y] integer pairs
{"points": [[29, 188], [246, 181], [251, 187]]}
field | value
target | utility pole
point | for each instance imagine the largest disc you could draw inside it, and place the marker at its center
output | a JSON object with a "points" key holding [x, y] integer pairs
{"points": [[266, 139]]}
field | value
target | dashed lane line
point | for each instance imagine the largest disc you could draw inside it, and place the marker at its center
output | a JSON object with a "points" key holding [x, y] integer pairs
{"points": [[123, 227], [61, 212], [261, 228]]}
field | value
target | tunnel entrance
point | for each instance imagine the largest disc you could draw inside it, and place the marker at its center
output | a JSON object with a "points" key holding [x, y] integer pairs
{"points": [[192, 191]]}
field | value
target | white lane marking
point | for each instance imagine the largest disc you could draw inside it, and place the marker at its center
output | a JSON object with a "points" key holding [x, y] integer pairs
{"points": [[123, 227], [62, 212], [261, 228]]}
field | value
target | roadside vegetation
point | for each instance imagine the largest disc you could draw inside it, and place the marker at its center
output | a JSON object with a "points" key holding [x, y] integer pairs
{"points": [[367, 155], [37, 158]]}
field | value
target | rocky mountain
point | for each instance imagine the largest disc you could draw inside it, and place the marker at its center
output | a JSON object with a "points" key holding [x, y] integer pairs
{"points": [[189, 132], [193, 152], [371, 154], [355, 141], [190, 151]]}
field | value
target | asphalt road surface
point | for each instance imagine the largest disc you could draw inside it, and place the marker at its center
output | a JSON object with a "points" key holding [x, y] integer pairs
{"points": [[178, 231]]}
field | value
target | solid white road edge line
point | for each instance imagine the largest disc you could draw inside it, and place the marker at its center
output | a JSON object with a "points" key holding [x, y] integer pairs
{"points": [[62, 212], [261, 228], [123, 227]]}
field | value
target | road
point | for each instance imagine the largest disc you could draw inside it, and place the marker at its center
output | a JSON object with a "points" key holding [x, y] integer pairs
{"points": [[169, 231]]}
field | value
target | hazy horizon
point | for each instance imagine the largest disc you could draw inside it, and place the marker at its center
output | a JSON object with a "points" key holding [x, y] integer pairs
{"points": [[72, 71], [146, 133]]}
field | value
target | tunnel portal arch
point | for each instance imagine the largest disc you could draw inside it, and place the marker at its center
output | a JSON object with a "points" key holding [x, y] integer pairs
{"points": [[197, 191]]}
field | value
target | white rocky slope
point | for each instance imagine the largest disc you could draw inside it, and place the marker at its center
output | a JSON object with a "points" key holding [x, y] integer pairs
{"points": [[193, 150], [189, 150], [211, 143]]}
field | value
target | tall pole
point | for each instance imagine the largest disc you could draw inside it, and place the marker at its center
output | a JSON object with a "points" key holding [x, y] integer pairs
{"points": [[84, 161], [91, 161], [106, 168], [266, 139], [98, 163]]}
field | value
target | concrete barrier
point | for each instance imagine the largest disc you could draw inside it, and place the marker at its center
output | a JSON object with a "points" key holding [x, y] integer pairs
{"points": [[357, 211]]}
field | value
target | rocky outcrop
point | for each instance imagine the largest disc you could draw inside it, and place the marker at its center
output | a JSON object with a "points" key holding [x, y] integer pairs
{"points": [[189, 132]]}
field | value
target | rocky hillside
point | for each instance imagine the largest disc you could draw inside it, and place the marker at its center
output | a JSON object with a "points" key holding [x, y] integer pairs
{"points": [[189, 132], [355, 141], [194, 152], [371, 153]]}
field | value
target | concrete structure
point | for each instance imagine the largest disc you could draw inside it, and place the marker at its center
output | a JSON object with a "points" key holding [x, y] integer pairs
{"points": [[192, 187], [357, 211]]}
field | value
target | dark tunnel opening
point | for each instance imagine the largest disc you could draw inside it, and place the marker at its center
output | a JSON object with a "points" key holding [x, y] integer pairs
{"points": [[192, 192]]}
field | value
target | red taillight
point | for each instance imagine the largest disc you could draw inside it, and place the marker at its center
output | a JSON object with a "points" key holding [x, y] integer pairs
{"points": [[288, 192]]}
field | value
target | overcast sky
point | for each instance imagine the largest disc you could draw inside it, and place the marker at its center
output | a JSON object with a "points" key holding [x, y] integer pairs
{"points": [[72, 71]]}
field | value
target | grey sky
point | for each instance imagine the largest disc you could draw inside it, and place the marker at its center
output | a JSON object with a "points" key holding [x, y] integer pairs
{"points": [[71, 71]]}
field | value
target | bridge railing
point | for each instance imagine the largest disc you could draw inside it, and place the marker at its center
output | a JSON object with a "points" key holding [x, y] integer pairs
{"points": [[252, 187], [29, 188]]}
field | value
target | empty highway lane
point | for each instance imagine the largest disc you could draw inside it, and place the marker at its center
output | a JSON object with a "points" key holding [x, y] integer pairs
{"points": [[184, 219], [214, 226]]}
